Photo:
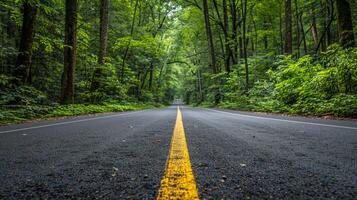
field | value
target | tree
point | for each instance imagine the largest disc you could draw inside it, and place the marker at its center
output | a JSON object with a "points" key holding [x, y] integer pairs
{"points": [[104, 22], [226, 37], [70, 49], [314, 26], [245, 43], [23, 63], [345, 26], [288, 28], [212, 55]]}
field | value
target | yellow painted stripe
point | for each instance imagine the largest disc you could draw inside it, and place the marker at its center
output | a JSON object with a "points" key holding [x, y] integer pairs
{"points": [[178, 181]]}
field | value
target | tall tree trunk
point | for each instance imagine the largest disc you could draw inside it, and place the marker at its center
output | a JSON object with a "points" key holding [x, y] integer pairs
{"points": [[314, 27], [281, 34], [240, 39], [70, 49], [346, 35], [226, 38], [330, 16], [212, 55], [234, 35], [303, 33], [128, 45], [200, 93], [326, 33], [324, 25], [345, 26], [288, 28], [151, 77], [297, 27], [245, 42], [104, 22], [23, 62]]}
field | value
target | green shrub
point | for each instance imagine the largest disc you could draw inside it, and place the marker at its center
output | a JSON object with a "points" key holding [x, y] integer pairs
{"points": [[303, 86], [23, 95]]}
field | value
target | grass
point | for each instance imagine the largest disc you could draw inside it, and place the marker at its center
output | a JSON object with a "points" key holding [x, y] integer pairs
{"points": [[18, 114]]}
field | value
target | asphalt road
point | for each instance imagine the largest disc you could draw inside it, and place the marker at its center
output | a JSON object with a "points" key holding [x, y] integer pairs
{"points": [[234, 155]]}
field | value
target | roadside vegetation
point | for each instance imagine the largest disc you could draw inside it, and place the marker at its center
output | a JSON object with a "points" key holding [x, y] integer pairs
{"points": [[23, 113], [26, 113], [310, 86], [63, 58]]}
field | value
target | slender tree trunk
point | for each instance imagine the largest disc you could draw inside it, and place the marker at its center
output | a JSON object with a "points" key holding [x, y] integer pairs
{"points": [[345, 26], [314, 27], [128, 45], [103, 38], [244, 32], [151, 77], [255, 39], [288, 28], [325, 33], [199, 77], [234, 35], [144, 79], [297, 27], [70, 49], [212, 55], [23, 62], [322, 41], [330, 16], [265, 38], [104, 23], [226, 38], [281, 34], [303, 34]]}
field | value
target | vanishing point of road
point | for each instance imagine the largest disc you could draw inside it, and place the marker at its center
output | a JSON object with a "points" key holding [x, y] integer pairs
{"points": [[179, 153]]}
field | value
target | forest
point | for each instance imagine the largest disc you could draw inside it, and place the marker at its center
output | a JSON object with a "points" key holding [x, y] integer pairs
{"points": [[73, 57]]}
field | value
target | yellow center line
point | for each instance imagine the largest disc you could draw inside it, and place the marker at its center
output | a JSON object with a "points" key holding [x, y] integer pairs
{"points": [[178, 181]]}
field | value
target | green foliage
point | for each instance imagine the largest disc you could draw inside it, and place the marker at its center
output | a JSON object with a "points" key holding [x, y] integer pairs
{"points": [[304, 86], [23, 95], [23, 113], [291, 79]]}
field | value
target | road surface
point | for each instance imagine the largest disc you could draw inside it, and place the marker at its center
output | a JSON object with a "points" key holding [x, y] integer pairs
{"points": [[205, 153]]}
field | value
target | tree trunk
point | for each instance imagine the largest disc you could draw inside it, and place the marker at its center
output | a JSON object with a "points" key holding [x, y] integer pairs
{"points": [[245, 43], [281, 34], [212, 55], [104, 22], [288, 28], [297, 27], [345, 26], [70, 49], [325, 34], [23, 62], [234, 52], [314, 27], [303, 33], [128, 45], [151, 77], [226, 38], [330, 16]]}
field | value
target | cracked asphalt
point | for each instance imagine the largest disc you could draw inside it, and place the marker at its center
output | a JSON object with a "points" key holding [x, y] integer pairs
{"points": [[234, 155]]}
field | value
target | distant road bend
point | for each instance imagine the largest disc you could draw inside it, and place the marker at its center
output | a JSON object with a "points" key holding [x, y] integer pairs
{"points": [[182, 153]]}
